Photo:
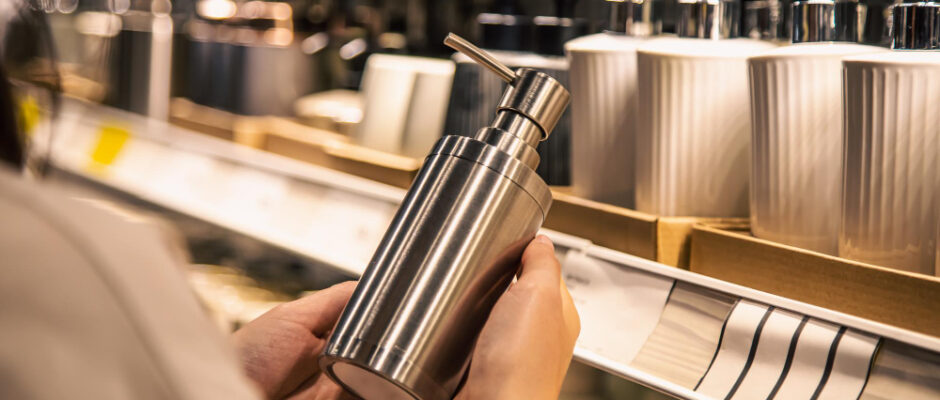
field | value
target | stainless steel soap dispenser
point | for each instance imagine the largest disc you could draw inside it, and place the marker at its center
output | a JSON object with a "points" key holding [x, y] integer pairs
{"points": [[452, 249]]}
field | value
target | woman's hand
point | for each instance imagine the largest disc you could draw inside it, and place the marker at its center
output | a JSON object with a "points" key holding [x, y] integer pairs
{"points": [[279, 349], [527, 342], [523, 351]]}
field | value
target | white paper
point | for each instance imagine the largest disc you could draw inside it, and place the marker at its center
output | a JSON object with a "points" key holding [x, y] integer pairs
{"points": [[739, 332], [684, 342], [850, 367], [809, 360], [771, 356], [619, 306]]}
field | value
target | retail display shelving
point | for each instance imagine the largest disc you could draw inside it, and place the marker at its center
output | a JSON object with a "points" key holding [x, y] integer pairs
{"points": [[337, 219]]}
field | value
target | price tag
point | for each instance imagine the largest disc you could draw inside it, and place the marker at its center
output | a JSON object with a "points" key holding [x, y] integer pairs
{"points": [[111, 140], [29, 114], [619, 306]]}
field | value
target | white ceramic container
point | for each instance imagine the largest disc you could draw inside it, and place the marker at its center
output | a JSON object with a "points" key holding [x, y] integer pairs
{"points": [[796, 143], [602, 72], [891, 182], [693, 130], [405, 103]]}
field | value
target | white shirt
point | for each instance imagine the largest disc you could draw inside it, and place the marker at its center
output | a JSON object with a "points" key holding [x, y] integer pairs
{"points": [[94, 305]]}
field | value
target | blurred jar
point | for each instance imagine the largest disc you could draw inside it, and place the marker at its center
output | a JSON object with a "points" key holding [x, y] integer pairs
{"points": [[244, 58]]}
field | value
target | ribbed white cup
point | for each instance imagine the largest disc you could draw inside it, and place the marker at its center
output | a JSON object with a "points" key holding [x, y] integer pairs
{"points": [[796, 143], [693, 126], [891, 181], [602, 72]]}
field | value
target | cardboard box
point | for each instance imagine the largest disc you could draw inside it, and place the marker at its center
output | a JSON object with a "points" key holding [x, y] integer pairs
{"points": [[902, 299], [661, 239]]}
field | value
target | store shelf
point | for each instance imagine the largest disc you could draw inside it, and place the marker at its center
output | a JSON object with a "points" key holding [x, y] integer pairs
{"points": [[338, 219]]}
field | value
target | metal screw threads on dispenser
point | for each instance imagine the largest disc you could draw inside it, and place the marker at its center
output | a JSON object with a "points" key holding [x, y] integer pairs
{"points": [[451, 251]]}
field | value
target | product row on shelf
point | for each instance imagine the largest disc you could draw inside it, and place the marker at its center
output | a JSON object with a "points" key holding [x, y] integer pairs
{"points": [[824, 144], [676, 331], [827, 144]]}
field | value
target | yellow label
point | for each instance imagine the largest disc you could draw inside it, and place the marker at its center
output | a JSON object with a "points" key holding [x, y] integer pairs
{"points": [[29, 115], [111, 140]]}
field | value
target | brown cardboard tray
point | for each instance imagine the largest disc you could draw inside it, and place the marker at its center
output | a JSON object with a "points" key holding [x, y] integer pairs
{"points": [[902, 299], [335, 151], [293, 139], [661, 239]]}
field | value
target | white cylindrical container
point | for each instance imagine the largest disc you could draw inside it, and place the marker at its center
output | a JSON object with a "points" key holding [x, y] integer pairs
{"points": [[602, 72], [796, 122], [891, 181], [693, 131], [405, 103]]}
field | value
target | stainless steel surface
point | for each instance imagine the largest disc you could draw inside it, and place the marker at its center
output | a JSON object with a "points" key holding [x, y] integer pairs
{"points": [[764, 20], [521, 127], [452, 249], [537, 96], [708, 19], [481, 57], [634, 18], [826, 21], [916, 26], [476, 94]]}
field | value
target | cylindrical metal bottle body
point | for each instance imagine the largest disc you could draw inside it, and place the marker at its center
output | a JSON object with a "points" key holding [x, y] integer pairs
{"points": [[410, 327]]}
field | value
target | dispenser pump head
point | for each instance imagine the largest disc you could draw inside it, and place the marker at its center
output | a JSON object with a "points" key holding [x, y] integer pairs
{"points": [[634, 18], [708, 19], [825, 21], [531, 94], [916, 26]]}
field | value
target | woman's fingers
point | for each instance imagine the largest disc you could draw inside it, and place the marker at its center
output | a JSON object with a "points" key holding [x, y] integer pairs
{"points": [[318, 312], [539, 265]]}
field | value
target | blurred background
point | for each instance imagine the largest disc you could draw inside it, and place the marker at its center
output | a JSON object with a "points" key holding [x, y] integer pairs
{"points": [[331, 82]]}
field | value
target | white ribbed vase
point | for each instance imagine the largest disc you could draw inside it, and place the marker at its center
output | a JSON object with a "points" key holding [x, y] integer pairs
{"points": [[796, 143], [891, 182], [602, 72], [693, 127]]}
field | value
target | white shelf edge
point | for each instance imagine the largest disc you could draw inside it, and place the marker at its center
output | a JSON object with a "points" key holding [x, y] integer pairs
{"points": [[851, 321], [627, 372]]}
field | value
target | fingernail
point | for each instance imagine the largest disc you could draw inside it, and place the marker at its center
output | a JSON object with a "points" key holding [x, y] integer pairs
{"points": [[545, 240]]}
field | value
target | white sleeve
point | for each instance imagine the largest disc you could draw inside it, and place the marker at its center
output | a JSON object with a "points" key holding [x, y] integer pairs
{"points": [[95, 306]]}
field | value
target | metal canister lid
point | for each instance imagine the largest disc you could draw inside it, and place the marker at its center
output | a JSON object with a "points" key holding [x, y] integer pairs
{"points": [[708, 19], [915, 26], [634, 18], [826, 21], [764, 20]]}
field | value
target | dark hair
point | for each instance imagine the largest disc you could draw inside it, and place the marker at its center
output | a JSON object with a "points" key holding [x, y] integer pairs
{"points": [[11, 148], [28, 57]]}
